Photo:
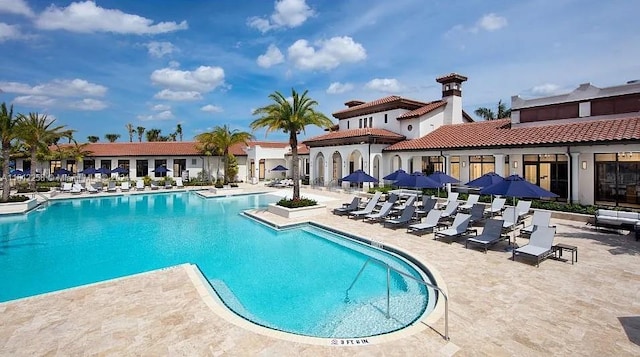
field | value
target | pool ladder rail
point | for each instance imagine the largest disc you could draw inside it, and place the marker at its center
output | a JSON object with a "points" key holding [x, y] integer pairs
{"points": [[419, 281]]}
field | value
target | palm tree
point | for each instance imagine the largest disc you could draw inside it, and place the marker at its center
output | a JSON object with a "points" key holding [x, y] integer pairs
{"points": [[206, 145], [130, 131], [292, 118], [37, 134], [8, 133], [76, 151], [488, 114], [140, 131], [179, 131], [112, 137], [93, 139], [153, 135], [224, 138]]}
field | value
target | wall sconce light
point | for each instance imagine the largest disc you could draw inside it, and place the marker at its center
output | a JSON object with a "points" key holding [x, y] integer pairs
{"points": [[515, 164], [464, 164], [584, 165]]}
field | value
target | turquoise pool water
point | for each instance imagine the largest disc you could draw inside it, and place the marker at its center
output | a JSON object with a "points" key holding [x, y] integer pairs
{"points": [[292, 280]]}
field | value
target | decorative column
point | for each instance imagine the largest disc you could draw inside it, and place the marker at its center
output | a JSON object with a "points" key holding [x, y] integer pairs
{"points": [[574, 177]]}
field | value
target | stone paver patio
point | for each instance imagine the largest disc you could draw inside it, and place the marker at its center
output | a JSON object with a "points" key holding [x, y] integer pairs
{"points": [[498, 307]]}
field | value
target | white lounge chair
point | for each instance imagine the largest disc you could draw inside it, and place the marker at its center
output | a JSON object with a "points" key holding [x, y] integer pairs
{"points": [[112, 186], [179, 183], [76, 189], [450, 210], [459, 227], [380, 215], [428, 203], [428, 225], [92, 189], [66, 187], [540, 245], [404, 219], [477, 213], [491, 234], [471, 200], [168, 184], [522, 209], [497, 205], [371, 204], [540, 218], [348, 207], [140, 185], [125, 186]]}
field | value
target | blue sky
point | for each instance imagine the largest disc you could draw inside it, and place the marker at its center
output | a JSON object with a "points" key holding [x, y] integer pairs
{"points": [[96, 66]]}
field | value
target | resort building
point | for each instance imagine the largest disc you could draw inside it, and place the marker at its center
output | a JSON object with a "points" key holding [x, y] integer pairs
{"points": [[583, 146]]}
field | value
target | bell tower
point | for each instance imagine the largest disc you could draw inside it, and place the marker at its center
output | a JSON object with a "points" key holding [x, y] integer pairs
{"points": [[452, 94]]}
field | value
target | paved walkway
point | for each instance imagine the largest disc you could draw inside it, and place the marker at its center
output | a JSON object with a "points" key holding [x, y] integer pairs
{"points": [[498, 307]]}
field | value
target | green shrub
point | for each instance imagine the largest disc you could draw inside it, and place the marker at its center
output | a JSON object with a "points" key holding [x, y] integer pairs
{"points": [[301, 202], [16, 198]]}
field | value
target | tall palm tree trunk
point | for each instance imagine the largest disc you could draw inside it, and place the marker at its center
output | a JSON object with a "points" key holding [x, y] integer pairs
{"points": [[6, 185], [293, 141], [32, 175]]}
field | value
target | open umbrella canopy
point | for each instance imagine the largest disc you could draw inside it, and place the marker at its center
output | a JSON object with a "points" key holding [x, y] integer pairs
{"points": [[518, 187], [120, 170], [486, 180], [279, 168], [62, 171], [16, 172], [396, 175], [359, 176], [89, 171], [442, 178], [161, 169], [103, 170], [417, 180]]}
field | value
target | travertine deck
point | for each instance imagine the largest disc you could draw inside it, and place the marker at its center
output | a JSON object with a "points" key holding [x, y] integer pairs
{"points": [[498, 307]]}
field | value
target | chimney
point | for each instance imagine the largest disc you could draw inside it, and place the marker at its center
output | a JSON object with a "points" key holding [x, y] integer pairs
{"points": [[452, 94], [353, 103]]}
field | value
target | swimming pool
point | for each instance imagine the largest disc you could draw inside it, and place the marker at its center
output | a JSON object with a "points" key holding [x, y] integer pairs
{"points": [[293, 280]]}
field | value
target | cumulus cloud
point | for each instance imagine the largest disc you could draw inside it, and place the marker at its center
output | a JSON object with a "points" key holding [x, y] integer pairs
{"points": [[272, 57], [34, 100], [211, 108], [58, 87], [18, 7], [329, 53], [88, 104], [492, 22], [337, 88], [545, 89], [287, 13], [160, 107], [160, 49], [388, 85], [9, 32], [167, 94], [203, 79], [87, 17]]}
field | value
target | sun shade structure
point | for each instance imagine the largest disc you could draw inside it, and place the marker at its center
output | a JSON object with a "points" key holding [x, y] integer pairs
{"points": [[161, 169], [486, 180], [119, 170], [417, 180], [62, 171], [359, 176], [89, 171], [396, 175], [442, 178], [279, 168]]}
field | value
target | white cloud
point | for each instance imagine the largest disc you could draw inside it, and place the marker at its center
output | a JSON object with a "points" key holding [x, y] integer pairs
{"points": [[34, 100], [337, 88], [88, 104], [58, 87], [19, 7], [546, 89], [86, 17], [174, 64], [388, 85], [330, 53], [287, 13], [492, 22], [203, 79], [167, 94], [164, 115], [211, 108], [9, 32], [272, 57], [160, 49], [160, 107]]}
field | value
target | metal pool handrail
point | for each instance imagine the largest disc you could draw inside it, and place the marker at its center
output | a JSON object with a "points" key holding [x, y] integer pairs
{"points": [[420, 281]]}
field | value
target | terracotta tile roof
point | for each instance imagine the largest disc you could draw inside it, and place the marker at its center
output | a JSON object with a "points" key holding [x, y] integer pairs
{"points": [[161, 148], [423, 110], [353, 133], [392, 101], [302, 150], [499, 133]]}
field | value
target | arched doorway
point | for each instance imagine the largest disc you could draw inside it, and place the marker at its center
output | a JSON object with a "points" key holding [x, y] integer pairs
{"points": [[336, 173], [318, 170], [396, 163], [375, 167], [355, 161]]}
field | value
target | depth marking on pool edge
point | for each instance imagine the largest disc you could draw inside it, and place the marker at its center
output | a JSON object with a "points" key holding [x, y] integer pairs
{"points": [[349, 341]]}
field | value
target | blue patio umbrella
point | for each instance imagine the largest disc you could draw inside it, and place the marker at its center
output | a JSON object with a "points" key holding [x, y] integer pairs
{"points": [[359, 176], [442, 178], [486, 180], [120, 170], [16, 172], [416, 180], [279, 168], [62, 171], [515, 186], [396, 175], [103, 170], [89, 171], [161, 169]]}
